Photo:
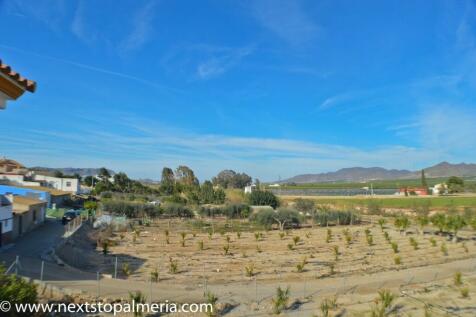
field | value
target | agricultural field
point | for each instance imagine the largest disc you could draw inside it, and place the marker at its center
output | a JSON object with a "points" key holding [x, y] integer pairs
{"points": [[400, 202], [377, 184], [245, 266]]}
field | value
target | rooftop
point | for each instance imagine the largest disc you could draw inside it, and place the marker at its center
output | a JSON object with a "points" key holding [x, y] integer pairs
{"points": [[52, 191], [9, 162], [23, 82], [28, 201]]}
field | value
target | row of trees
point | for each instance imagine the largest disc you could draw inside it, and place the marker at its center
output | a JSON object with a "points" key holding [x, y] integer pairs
{"points": [[231, 179], [231, 211], [121, 183], [183, 177], [137, 210]]}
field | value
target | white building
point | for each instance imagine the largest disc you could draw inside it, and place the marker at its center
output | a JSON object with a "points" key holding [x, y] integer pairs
{"points": [[64, 184], [250, 188], [439, 189], [6, 220], [15, 173]]}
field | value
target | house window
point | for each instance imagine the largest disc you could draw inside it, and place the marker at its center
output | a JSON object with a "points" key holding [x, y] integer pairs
{"points": [[68, 184], [34, 215]]}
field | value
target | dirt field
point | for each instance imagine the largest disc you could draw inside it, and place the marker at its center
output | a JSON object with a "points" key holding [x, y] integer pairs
{"points": [[276, 259]]}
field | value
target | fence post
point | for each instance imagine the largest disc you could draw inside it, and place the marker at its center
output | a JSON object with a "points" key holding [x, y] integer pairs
{"points": [[150, 291], [17, 262], [98, 290], [42, 270], [256, 289], [115, 269]]}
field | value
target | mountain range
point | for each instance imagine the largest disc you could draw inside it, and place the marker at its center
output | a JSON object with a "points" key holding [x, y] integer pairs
{"points": [[70, 170], [362, 174]]}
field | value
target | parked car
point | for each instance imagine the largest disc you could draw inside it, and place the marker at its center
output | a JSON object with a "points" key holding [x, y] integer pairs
{"points": [[68, 216]]}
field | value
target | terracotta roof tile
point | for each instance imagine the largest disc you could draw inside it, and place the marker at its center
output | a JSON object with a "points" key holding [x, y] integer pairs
{"points": [[27, 84]]}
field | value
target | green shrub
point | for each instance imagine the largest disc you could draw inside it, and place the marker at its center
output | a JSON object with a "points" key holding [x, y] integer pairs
{"points": [[304, 205], [177, 210], [394, 247], [397, 260], [444, 249], [250, 270], [458, 279], [130, 209], [280, 301], [16, 290], [263, 198], [464, 291], [283, 218], [325, 218], [237, 211], [206, 211]]}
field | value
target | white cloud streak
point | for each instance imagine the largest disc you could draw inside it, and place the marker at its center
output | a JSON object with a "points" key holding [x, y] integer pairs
{"points": [[94, 69], [287, 19], [141, 28], [221, 63], [137, 144]]}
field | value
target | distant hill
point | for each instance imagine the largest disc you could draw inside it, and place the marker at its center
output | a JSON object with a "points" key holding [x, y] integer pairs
{"points": [[445, 169], [69, 170], [363, 174], [148, 181]]}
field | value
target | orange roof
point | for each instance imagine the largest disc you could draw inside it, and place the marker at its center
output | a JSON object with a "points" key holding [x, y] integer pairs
{"points": [[25, 83]]}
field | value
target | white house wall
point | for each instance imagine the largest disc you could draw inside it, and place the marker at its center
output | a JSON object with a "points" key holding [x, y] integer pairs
{"points": [[64, 184], [6, 217]]}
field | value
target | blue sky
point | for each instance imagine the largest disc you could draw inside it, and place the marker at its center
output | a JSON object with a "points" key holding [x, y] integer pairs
{"points": [[271, 88]]}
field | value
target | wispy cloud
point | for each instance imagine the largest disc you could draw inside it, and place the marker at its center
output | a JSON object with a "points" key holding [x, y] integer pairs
{"points": [[80, 28], [449, 128], [287, 19], [94, 69], [204, 61], [51, 13], [141, 28], [133, 144], [222, 62], [346, 98], [130, 34]]}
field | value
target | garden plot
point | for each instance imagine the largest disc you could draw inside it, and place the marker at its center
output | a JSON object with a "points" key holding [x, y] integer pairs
{"points": [[193, 257]]}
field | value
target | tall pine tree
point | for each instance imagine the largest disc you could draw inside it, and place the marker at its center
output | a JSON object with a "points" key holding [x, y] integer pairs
{"points": [[423, 179]]}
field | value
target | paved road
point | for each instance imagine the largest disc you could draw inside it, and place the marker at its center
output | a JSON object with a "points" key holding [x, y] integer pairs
{"points": [[30, 249]]}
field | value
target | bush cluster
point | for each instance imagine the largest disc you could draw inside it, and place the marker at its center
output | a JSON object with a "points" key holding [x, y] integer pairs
{"points": [[325, 218], [136, 210], [231, 211], [284, 218], [130, 209]]}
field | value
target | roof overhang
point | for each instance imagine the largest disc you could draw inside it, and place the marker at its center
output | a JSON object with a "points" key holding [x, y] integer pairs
{"points": [[12, 84]]}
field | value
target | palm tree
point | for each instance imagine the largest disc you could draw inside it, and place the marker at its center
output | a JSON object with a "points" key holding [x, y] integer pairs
{"points": [[280, 302], [137, 298]]}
